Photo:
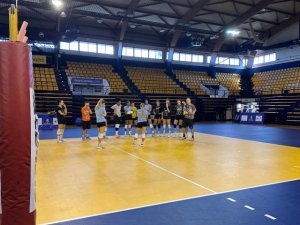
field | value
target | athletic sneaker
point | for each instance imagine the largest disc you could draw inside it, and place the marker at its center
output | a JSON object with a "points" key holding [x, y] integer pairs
{"points": [[59, 141], [88, 138], [142, 144], [192, 139], [183, 138], [100, 147]]}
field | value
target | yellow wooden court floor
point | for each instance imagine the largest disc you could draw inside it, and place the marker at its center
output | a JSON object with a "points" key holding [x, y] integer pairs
{"points": [[74, 179]]}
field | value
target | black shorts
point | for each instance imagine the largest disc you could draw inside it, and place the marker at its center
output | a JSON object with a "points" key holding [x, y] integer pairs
{"points": [[62, 120], [102, 124], [86, 125], [117, 119], [188, 123], [179, 117], [128, 117], [134, 119], [157, 116], [167, 117], [142, 124]]}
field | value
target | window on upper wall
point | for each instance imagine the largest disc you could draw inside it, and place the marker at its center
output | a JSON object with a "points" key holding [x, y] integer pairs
{"points": [[142, 53], [208, 58], [64, 45], [145, 53], [186, 57], [176, 56], [137, 52], [262, 59], [92, 47], [221, 60], [83, 46], [74, 46]]}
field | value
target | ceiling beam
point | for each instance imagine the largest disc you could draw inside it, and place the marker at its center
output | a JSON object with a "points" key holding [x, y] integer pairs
{"points": [[192, 12], [240, 20], [284, 24], [132, 5]]}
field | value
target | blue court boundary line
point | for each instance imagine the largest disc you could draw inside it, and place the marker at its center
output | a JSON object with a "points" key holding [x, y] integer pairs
{"points": [[173, 201]]}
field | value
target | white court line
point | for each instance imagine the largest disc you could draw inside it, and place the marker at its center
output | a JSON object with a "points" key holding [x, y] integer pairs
{"points": [[270, 217], [249, 207], [168, 171], [231, 199]]}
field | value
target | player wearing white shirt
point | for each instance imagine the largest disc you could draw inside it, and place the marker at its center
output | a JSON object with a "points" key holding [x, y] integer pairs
{"points": [[128, 118], [117, 116]]}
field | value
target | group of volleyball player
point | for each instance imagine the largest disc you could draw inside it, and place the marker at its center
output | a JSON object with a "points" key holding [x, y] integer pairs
{"points": [[157, 117]]}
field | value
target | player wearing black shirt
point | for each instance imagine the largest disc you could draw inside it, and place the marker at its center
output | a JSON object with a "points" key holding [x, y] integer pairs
{"points": [[189, 114], [178, 109], [157, 111], [61, 112], [166, 115]]}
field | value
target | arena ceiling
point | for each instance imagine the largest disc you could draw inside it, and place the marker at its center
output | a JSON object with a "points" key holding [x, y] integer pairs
{"points": [[169, 23]]}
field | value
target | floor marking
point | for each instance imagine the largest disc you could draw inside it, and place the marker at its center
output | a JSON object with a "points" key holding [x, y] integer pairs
{"points": [[249, 207], [270, 217], [231, 199], [166, 170]]}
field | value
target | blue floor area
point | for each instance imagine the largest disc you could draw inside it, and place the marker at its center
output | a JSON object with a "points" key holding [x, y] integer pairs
{"points": [[280, 201], [273, 135]]}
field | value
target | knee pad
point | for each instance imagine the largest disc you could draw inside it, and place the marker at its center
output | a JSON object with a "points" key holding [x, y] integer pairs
{"points": [[169, 126], [180, 126], [143, 135], [117, 126], [100, 135], [175, 126], [159, 126], [154, 126], [164, 126], [136, 135], [59, 131], [151, 126], [105, 129], [126, 126], [129, 126]]}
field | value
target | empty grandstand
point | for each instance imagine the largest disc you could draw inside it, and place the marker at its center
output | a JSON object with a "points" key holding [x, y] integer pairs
{"points": [[153, 81]]}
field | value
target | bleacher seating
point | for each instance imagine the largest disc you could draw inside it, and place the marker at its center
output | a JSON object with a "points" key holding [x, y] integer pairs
{"points": [[93, 70], [231, 81], [193, 79], [277, 81], [153, 81], [273, 106], [44, 79], [211, 107]]}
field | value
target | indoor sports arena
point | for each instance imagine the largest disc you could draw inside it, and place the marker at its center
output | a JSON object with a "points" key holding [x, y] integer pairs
{"points": [[150, 112]]}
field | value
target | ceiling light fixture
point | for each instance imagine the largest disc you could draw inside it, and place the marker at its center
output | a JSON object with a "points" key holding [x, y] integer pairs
{"points": [[132, 26], [233, 33], [188, 34], [63, 15], [57, 3], [99, 20]]}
